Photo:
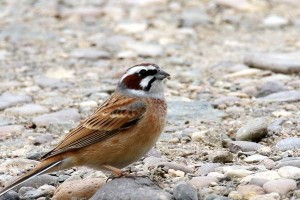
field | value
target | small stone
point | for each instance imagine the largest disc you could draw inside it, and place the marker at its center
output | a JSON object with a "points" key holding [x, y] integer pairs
{"points": [[237, 173], [183, 191], [206, 168], [16, 164], [258, 181], [39, 181], [198, 136], [289, 161], [255, 158], [9, 99], [271, 196], [84, 188], [285, 96], [216, 197], [48, 82], [10, 131], [222, 157], [30, 193], [234, 195], [152, 162], [242, 5], [288, 144], [244, 146], [268, 175], [57, 117], [275, 21], [194, 17], [268, 163], [10, 195], [216, 174], [28, 109], [175, 173], [281, 186], [48, 190], [147, 49], [90, 104], [90, 54], [254, 130], [131, 27], [280, 62], [131, 188], [289, 172], [250, 191], [203, 181], [270, 87]]}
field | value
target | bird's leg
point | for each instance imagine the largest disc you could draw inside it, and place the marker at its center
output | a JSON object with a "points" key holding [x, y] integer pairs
{"points": [[115, 170]]}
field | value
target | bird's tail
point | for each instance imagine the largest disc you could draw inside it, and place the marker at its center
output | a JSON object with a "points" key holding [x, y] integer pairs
{"points": [[42, 168]]}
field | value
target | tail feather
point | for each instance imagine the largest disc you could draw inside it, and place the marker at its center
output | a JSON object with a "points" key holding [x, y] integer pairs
{"points": [[40, 169]]}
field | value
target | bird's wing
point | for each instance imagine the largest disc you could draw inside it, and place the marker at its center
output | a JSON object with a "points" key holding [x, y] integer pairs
{"points": [[115, 115]]}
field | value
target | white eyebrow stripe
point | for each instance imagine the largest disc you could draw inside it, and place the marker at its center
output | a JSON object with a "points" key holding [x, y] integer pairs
{"points": [[144, 83]]}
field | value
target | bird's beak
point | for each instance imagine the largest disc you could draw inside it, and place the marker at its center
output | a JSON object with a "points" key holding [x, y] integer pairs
{"points": [[162, 75]]}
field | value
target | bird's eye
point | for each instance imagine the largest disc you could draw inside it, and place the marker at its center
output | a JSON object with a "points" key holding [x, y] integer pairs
{"points": [[143, 72]]}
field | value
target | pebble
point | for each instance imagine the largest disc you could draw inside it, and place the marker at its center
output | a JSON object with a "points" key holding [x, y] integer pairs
{"points": [[27, 109], [237, 173], [222, 157], [131, 27], [254, 130], [203, 181], [131, 188], [216, 197], [10, 195], [8, 99], [258, 181], [242, 5], [30, 193], [280, 62], [244, 146], [288, 144], [289, 172], [275, 21], [270, 87], [176, 166], [57, 117], [39, 181], [148, 49], [198, 136], [10, 131], [271, 196], [48, 82], [268, 175], [255, 158], [79, 189], [206, 168], [90, 54], [194, 17], [268, 163], [281, 186], [285, 96], [250, 191], [48, 190], [293, 161], [183, 191]]}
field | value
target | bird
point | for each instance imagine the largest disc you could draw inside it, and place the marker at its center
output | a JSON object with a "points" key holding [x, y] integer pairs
{"points": [[121, 131]]}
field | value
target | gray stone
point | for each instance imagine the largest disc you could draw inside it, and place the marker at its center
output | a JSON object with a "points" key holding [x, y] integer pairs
{"points": [[29, 193], [255, 158], [208, 167], [276, 126], [290, 172], [47, 82], [281, 186], [27, 109], [290, 161], [8, 99], [216, 197], [11, 195], [282, 63], [195, 110], [38, 181], [57, 117], [270, 87], [148, 49], [288, 144], [258, 181], [131, 188], [203, 181], [90, 54], [285, 96], [183, 191], [254, 130], [245, 146], [10, 131], [194, 17]]}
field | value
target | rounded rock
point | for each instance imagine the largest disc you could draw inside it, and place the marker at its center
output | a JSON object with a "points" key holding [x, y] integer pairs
{"points": [[281, 186]]}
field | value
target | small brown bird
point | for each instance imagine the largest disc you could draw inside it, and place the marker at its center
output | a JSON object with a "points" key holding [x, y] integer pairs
{"points": [[122, 130]]}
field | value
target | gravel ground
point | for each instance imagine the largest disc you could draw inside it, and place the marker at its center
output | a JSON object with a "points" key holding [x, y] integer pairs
{"points": [[234, 96]]}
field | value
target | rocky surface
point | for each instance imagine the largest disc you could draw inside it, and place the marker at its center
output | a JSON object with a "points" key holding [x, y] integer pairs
{"points": [[234, 96]]}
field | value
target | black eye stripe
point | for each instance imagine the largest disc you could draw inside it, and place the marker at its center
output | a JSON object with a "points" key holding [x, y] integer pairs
{"points": [[145, 73]]}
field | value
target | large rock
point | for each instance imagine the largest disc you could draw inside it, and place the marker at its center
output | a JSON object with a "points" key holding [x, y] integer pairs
{"points": [[78, 189], [254, 130], [131, 188]]}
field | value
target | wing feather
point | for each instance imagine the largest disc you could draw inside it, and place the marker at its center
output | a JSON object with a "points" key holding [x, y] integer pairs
{"points": [[110, 119]]}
